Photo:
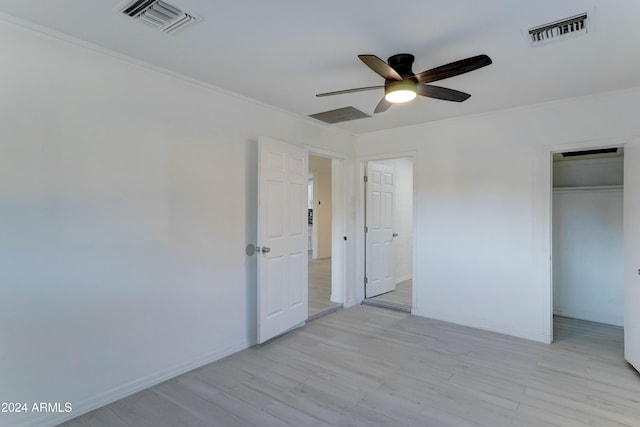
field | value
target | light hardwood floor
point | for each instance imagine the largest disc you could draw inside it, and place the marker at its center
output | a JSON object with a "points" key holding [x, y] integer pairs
{"points": [[320, 287], [400, 298], [367, 366]]}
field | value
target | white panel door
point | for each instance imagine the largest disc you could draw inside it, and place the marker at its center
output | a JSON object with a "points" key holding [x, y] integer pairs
{"points": [[282, 237], [379, 235], [632, 254]]}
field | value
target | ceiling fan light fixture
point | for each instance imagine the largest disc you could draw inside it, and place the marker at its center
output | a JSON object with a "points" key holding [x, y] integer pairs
{"points": [[401, 84], [399, 92], [400, 96]]}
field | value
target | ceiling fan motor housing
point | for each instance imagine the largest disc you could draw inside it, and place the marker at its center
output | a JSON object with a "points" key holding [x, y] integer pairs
{"points": [[402, 63]]}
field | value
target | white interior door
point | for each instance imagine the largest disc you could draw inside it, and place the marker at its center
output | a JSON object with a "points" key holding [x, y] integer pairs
{"points": [[282, 237], [632, 254], [379, 231]]}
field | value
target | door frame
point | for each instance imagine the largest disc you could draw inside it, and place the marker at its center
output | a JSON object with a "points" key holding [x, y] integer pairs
{"points": [[548, 152], [344, 264], [339, 223], [359, 235]]}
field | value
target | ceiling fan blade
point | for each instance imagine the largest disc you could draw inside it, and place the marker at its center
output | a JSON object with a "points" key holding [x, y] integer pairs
{"points": [[442, 93], [382, 106], [380, 67], [358, 89], [453, 69]]}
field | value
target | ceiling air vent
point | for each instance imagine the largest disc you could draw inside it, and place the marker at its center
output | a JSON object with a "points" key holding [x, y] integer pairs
{"points": [[158, 14], [590, 152], [340, 115], [559, 29]]}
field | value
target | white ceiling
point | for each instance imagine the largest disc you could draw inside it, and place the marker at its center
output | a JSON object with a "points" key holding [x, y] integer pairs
{"points": [[283, 52]]}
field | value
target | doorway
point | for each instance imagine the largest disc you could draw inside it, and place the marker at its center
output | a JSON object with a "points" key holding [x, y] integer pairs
{"points": [[388, 237], [587, 237], [267, 294], [320, 218]]}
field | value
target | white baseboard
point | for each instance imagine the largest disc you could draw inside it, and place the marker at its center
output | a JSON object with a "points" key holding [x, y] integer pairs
{"points": [[351, 303], [403, 278], [128, 389], [445, 317]]}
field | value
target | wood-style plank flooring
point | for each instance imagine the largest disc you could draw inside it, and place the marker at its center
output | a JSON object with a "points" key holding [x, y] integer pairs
{"points": [[367, 366], [400, 298], [320, 286]]}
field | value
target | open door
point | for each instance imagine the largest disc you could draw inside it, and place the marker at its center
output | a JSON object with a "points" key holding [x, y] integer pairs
{"points": [[379, 230], [632, 254], [282, 237]]}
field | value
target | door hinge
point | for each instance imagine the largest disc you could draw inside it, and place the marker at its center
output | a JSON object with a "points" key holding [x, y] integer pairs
{"points": [[366, 178], [366, 280], [366, 229]]}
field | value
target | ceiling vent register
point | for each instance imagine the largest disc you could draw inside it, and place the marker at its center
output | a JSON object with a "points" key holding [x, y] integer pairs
{"points": [[340, 115], [159, 14], [555, 30]]}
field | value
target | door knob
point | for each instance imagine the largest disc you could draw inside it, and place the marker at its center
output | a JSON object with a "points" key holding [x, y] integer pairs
{"points": [[251, 249], [395, 234]]}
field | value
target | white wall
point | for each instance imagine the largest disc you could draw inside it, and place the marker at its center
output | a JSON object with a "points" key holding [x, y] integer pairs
{"points": [[322, 209], [125, 207], [588, 280], [483, 206], [403, 217]]}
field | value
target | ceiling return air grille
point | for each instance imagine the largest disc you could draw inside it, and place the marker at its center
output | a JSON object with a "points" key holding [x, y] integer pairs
{"points": [[158, 14], [340, 115], [559, 29]]}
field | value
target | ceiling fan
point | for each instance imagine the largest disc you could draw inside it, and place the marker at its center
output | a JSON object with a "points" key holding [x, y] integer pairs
{"points": [[402, 85]]}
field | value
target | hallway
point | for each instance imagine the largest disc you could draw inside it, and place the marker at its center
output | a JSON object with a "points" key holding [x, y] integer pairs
{"points": [[320, 286]]}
